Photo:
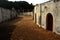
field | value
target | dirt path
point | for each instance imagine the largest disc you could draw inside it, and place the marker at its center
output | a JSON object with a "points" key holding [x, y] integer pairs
{"points": [[25, 29]]}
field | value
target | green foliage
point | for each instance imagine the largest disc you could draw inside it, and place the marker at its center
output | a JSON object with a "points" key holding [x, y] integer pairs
{"points": [[20, 5]]}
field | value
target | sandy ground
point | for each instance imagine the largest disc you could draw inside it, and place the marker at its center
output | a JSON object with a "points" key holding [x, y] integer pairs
{"points": [[23, 28]]}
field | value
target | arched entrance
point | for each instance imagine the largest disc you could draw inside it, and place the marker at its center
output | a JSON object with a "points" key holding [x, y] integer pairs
{"points": [[40, 20], [35, 18], [49, 22]]}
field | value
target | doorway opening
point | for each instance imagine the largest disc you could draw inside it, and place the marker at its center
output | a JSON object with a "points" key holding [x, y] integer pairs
{"points": [[35, 18], [49, 22]]}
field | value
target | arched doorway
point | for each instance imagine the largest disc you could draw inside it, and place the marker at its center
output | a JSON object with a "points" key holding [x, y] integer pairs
{"points": [[35, 18], [49, 22], [40, 20]]}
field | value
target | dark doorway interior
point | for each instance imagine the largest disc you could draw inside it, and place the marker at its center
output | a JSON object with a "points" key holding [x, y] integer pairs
{"points": [[49, 22], [35, 18], [40, 20]]}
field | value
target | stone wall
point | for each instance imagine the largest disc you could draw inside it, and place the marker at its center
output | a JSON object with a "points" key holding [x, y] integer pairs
{"points": [[42, 10], [28, 13], [6, 14], [57, 17], [37, 14], [47, 7]]}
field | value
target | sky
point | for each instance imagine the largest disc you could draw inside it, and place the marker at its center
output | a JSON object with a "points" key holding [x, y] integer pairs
{"points": [[32, 1]]}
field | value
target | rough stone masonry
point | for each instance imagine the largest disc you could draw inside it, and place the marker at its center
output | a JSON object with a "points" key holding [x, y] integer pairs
{"points": [[47, 15]]}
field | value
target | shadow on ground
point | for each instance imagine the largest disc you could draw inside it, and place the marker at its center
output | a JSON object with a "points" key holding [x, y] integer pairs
{"points": [[6, 31], [15, 19], [6, 28]]}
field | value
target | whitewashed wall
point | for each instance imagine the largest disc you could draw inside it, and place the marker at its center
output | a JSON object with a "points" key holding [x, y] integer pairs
{"points": [[57, 16], [37, 15], [51, 7], [6, 14], [28, 13]]}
